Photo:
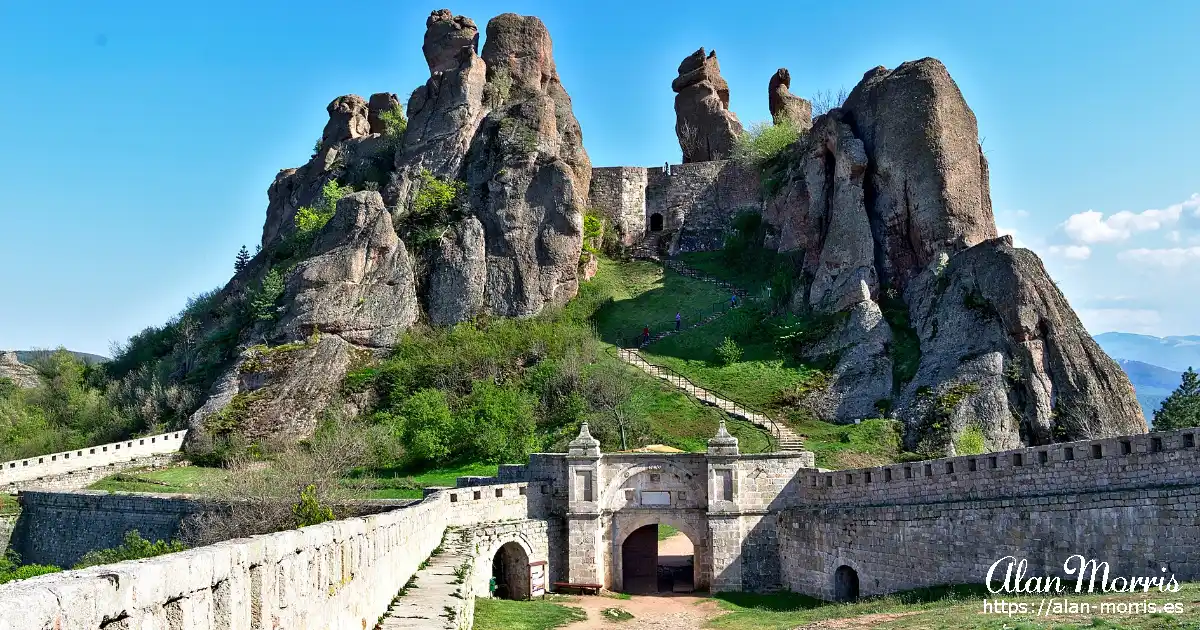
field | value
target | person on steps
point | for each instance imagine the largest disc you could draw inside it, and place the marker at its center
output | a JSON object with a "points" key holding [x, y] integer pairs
{"points": [[733, 301], [646, 335], [678, 320]]}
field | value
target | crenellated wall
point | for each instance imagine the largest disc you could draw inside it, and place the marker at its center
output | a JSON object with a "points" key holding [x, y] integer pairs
{"points": [[1129, 501], [81, 467]]}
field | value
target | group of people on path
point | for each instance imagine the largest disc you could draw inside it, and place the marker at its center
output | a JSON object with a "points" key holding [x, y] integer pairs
{"points": [[733, 302]]}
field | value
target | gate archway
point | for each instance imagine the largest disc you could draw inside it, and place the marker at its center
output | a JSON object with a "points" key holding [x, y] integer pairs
{"points": [[510, 569], [845, 584], [656, 222]]}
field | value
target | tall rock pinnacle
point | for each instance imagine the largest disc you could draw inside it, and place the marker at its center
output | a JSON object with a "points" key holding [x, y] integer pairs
{"points": [[706, 129]]}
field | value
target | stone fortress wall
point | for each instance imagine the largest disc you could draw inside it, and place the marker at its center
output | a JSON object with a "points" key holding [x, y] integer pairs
{"points": [[694, 203], [1129, 501], [81, 467], [758, 522]]}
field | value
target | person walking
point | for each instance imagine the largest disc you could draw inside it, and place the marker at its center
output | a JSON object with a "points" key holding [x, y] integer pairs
{"points": [[646, 336], [678, 320], [733, 301]]}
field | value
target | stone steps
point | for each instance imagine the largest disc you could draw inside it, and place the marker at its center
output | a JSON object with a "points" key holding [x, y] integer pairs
{"points": [[433, 589]]}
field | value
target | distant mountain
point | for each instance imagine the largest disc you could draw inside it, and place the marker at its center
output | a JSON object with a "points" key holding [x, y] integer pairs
{"points": [[1151, 383], [29, 356], [1173, 353]]}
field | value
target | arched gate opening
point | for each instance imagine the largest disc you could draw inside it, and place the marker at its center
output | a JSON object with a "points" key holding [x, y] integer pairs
{"points": [[656, 222], [510, 570], [845, 584]]}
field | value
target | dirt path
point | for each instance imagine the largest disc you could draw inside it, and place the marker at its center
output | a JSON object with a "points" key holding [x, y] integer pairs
{"points": [[660, 612]]}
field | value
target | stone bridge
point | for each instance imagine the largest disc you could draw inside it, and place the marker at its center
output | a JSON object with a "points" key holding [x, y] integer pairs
{"points": [[757, 522]]}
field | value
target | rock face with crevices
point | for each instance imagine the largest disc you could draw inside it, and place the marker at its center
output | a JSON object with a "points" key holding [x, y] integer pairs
{"points": [[706, 128], [886, 209], [500, 123]]}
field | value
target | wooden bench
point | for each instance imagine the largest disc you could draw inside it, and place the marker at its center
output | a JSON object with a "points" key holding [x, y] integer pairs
{"points": [[583, 589]]}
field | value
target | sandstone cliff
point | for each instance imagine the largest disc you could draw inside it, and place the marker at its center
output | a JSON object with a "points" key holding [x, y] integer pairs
{"points": [[20, 374], [497, 129], [887, 208], [706, 128]]}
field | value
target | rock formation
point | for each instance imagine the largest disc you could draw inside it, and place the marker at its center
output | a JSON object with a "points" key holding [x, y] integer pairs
{"points": [[887, 208], [706, 129], [786, 106], [21, 375], [501, 124]]}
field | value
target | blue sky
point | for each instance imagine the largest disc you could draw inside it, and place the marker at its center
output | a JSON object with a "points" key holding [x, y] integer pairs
{"points": [[140, 137]]}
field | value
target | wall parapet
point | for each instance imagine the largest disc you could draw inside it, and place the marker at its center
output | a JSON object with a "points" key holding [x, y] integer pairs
{"points": [[1148, 460], [339, 574], [19, 471]]}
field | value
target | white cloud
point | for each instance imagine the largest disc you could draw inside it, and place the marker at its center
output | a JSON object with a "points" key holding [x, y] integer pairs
{"points": [[1091, 226], [1073, 252], [1021, 214], [1172, 257], [1134, 320], [1174, 236]]}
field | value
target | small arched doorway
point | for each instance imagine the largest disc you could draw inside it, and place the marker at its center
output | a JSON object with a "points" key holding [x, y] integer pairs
{"points": [[657, 559], [656, 222], [510, 570], [845, 584]]}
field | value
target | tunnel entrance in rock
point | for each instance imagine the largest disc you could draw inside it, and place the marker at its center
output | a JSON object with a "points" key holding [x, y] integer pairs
{"points": [[845, 584], [656, 222], [510, 570], [654, 563]]}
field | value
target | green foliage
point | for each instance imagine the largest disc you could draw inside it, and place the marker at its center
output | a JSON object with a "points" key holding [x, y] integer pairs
{"points": [[242, 259], [764, 142], [593, 232], [905, 348], [426, 428], [436, 197], [133, 548], [515, 137], [502, 614], [970, 441], [309, 510], [69, 408], [231, 417], [729, 352], [936, 429], [497, 423], [394, 123], [1181, 409], [262, 298], [12, 570], [498, 87]]}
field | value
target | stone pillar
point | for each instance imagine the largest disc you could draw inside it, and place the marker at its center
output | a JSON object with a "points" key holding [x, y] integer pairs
{"points": [[584, 533], [724, 514]]}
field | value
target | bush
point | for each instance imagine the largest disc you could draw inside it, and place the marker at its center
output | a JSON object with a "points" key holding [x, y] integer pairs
{"points": [[426, 428], [309, 510], [395, 124], [764, 142], [263, 298], [437, 197], [729, 352], [133, 548], [497, 424]]}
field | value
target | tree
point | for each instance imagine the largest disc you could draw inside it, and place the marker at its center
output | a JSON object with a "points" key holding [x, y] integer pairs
{"points": [[610, 391], [242, 260], [1182, 408], [262, 300]]}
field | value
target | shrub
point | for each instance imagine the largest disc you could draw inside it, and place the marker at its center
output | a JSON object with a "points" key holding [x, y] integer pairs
{"points": [[426, 428], [497, 424], [764, 142], [970, 441], [133, 548], [394, 122], [498, 88], [593, 232], [728, 352], [263, 298], [1181, 409], [309, 510]]}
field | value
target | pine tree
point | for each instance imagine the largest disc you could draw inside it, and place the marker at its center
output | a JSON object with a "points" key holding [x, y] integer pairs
{"points": [[1182, 408], [242, 260]]}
